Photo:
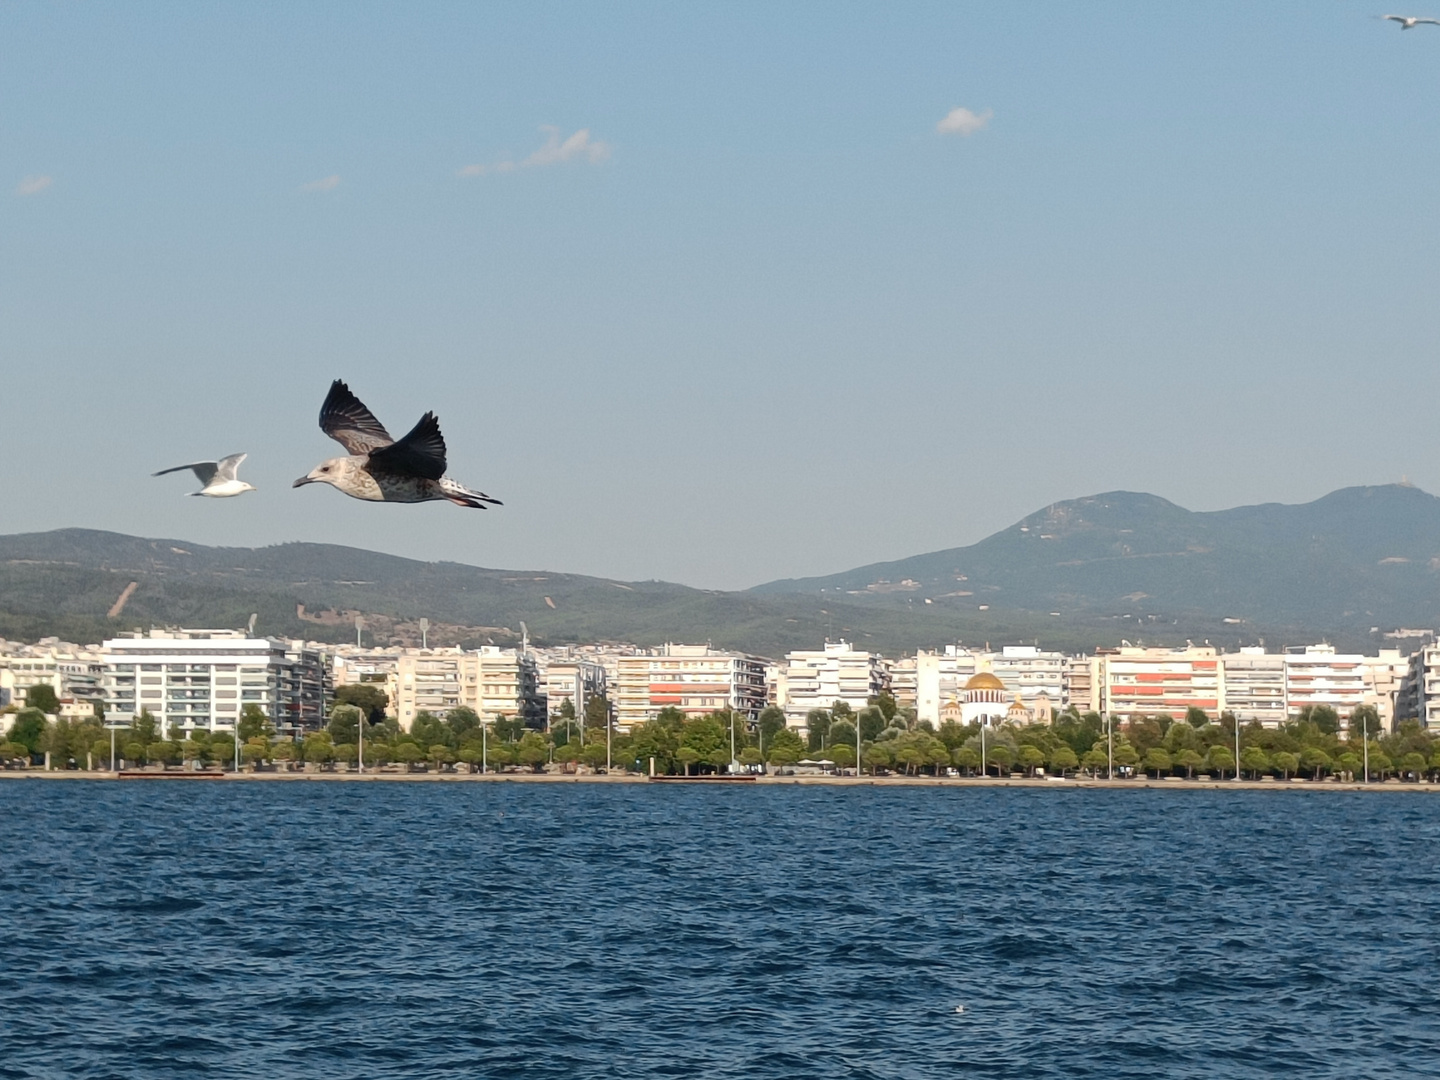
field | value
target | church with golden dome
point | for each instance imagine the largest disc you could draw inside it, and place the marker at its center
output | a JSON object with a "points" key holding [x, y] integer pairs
{"points": [[984, 700]]}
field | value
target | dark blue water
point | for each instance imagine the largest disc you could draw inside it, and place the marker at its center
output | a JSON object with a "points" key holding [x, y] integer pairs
{"points": [[544, 930]]}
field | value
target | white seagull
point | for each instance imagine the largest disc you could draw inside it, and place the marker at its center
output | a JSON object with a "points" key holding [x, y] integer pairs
{"points": [[1409, 22], [379, 469], [217, 476]]}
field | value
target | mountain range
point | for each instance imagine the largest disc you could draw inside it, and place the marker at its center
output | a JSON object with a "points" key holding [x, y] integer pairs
{"points": [[1348, 568]]}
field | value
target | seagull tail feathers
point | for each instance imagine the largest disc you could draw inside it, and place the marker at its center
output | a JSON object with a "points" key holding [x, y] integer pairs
{"points": [[463, 496]]}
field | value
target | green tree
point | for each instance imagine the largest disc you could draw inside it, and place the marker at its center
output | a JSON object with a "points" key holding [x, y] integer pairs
{"points": [[1221, 760], [28, 729], [785, 748], [1094, 760], [688, 756], [597, 711], [1158, 760], [367, 697], [872, 721], [42, 696], [440, 755], [254, 723], [1030, 758], [886, 704], [843, 754], [1196, 716], [1380, 764], [1316, 760], [1125, 755], [1189, 760], [145, 729], [408, 754], [461, 720], [344, 726], [817, 727], [878, 756], [1254, 760], [1002, 757], [967, 758], [1413, 762], [1063, 759], [1323, 717], [770, 720], [531, 750], [1365, 721], [427, 729], [14, 751], [1286, 762]]}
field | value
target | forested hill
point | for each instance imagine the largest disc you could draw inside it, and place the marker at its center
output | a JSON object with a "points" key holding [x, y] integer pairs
{"points": [[1357, 558], [1075, 575]]}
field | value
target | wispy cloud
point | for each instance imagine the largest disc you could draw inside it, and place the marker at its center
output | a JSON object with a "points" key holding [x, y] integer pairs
{"points": [[576, 147], [964, 122], [33, 185], [329, 183]]}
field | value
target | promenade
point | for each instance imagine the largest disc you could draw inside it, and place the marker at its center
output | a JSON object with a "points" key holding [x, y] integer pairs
{"points": [[1136, 784]]}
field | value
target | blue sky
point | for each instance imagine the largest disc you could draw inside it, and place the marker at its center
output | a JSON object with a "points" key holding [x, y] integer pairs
{"points": [[705, 294]]}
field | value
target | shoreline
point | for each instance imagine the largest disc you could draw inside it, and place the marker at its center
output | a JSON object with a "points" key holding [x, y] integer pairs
{"points": [[1175, 784]]}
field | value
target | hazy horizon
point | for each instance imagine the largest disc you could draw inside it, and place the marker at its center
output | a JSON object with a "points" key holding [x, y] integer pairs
{"points": [[712, 296]]}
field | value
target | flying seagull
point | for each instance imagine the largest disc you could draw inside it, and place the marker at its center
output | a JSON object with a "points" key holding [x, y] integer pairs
{"points": [[217, 476], [1409, 22], [378, 468]]}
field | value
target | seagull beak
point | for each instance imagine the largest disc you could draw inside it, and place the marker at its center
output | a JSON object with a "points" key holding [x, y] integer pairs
{"points": [[302, 482]]}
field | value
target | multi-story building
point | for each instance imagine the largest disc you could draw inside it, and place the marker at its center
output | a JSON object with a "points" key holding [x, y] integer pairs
{"points": [[492, 681], [1147, 681], [202, 679], [695, 679], [377, 667], [1253, 686], [1319, 675], [940, 679], [73, 672], [1038, 680], [839, 672], [568, 676]]}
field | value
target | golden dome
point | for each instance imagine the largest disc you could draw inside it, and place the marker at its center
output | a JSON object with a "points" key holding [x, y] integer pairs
{"points": [[983, 680]]}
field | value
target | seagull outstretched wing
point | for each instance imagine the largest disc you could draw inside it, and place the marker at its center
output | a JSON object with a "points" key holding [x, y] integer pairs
{"points": [[346, 420], [420, 453], [1431, 22], [204, 470], [227, 466]]}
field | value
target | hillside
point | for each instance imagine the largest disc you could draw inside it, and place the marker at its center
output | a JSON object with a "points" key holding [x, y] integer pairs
{"points": [[1075, 575], [1357, 558]]}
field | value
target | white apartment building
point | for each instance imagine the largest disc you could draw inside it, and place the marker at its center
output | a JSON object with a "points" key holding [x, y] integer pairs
{"points": [[1419, 697], [377, 667], [838, 672], [1038, 679], [695, 679], [569, 678], [73, 672], [492, 681], [940, 679], [201, 679], [1254, 686]]}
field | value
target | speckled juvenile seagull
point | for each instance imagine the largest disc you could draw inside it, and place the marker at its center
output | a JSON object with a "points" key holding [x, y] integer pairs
{"points": [[379, 469], [218, 477]]}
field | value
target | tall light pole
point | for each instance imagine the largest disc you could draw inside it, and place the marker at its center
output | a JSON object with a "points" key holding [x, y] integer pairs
{"points": [[359, 625], [424, 633], [857, 746], [1365, 743], [609, 726], [1237, 747], [360, 739], [484, 747], [984, 771], [1109, 747]]}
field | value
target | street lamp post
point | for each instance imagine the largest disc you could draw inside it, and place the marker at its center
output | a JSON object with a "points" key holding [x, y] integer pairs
{"points": [[1109, 747], [1365, 744], [360, 740], [1237, 747], [984, 770], [484, 747]]}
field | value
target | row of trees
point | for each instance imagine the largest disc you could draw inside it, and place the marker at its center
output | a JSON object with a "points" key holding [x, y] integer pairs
{"points": [[890, 740]]}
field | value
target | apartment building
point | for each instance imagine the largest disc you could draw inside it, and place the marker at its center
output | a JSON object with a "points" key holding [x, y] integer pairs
{"points": [[1038, 680], [838, 672], [565, 676], [492, 681], [201, 679], [695, 679], [1253, 686], [940, 679], [1146, 681], [73, 672]]}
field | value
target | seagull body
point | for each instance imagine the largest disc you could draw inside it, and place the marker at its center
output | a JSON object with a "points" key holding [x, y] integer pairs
{"points": [[1409, 22], [218, 477], [377, 468]]}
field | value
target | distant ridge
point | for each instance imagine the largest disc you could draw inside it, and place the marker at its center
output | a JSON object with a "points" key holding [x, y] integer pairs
{"points": [[1075, 575], [1356, 558]]}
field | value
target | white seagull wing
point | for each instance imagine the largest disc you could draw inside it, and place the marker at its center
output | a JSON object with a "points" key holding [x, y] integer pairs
{"points": [[226, 467], [205, 470]]}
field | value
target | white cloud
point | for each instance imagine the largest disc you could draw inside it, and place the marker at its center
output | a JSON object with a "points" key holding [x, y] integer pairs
{"points": [[964, 122], [33, 185], [577, 147], [329, 183]]}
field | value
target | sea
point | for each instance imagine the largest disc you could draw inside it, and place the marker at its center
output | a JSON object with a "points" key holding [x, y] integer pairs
{"points": [[492, 929]]}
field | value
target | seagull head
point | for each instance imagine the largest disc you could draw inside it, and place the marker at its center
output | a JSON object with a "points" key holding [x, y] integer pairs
{"points": [[327, 472]]}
